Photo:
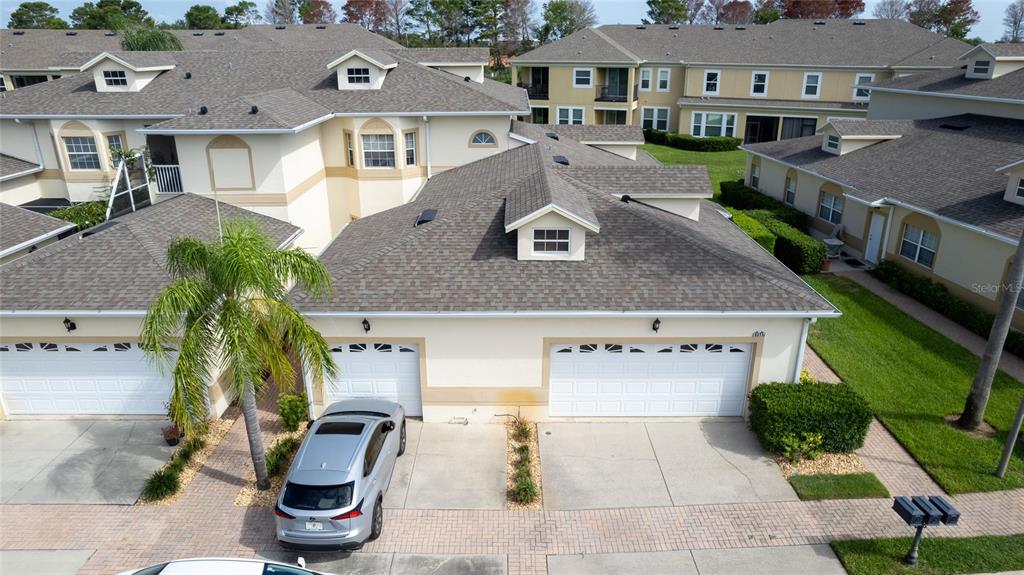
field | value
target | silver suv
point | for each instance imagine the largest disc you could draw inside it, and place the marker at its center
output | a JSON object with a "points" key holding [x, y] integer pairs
{"points": [[334, 492]]}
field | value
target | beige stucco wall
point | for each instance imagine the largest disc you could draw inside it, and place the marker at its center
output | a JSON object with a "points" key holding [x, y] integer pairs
{"points": [[686, 116], [783, 83], [886, 105]]}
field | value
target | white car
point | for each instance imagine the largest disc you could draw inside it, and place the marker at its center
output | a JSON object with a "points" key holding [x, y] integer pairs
{"points": [[223, 566]]}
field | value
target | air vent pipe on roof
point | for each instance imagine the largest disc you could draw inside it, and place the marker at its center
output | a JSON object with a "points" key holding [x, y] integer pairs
{"points": [[218, 33], [859, 23], [673, 27], [71, 33], [641, 27], [203, 110], [719, 28], [110, 33], [254, 110], [561, 160], [278, 27], [819, 22], [425, 217], [552, 135], [188, 75], [19, 32], [197, 33], [321, 27]]}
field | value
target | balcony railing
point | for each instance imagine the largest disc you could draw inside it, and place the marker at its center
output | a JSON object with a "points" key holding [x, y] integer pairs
{"points": [[615, 93], [168, 179], [536, 91]]}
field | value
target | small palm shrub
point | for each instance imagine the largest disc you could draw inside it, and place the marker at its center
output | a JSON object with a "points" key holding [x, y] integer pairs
{"points": [[163, 483], [293, 409], [280, 455]]}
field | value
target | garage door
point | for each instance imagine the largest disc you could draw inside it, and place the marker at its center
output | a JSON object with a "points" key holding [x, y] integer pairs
{"points": [[113, 378], [378, 370], [621, 379]]}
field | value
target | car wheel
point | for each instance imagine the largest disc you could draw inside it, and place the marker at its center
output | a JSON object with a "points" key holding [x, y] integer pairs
{"points": [[401, 441], [378, 521]]}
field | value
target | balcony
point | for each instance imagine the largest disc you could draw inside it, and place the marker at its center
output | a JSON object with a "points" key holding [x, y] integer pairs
{"points": [[535, 91], [615, 93], [168, 179]]}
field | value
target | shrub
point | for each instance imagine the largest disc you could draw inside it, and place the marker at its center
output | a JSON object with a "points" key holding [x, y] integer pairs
{"points": [[280, 455], [936, 296], [691, 143], [522, 430], [796, 449], [797, 250], [84, 215], [523, 491], [162, 483], [293, 409], [737, 195], [754, 229], [835, 411]]}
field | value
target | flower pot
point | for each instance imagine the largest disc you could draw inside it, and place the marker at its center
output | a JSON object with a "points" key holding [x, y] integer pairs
{"points": [[172, 441], [825, 265]]}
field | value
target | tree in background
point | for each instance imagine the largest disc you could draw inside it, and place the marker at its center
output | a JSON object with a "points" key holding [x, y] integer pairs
{"points": [[370, 14], [517, 26], [737, 12], [36, 15], [1013, 21], [110, 15], [397, 19], [891, 10], [280, 12], [953, 18], [563, 17], [667, 12], [203, 17], [242, 14], [149, 40], [317, 12], [487, 18], [767, 11], [820, 9]]}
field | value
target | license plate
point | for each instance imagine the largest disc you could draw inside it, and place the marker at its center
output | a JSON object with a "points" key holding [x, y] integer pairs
{"points": [[314, 526]]}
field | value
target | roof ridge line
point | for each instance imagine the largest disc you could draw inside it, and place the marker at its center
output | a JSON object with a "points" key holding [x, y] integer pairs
{"points": [[616, 45]]}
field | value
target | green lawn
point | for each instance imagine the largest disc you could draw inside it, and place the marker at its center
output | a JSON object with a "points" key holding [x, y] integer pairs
{"points": [[937, 556], [847, 486], [913, 377], [722, 166]]}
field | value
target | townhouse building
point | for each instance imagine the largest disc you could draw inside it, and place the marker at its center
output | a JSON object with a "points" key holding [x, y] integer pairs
{"points": [[757, 82]]}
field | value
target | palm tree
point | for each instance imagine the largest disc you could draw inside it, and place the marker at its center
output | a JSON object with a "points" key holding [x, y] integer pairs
{"points": [[225, 312]]}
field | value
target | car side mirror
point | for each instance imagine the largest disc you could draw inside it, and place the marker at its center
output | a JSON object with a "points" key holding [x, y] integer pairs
{"points": [[309, 424], [389, 426]]}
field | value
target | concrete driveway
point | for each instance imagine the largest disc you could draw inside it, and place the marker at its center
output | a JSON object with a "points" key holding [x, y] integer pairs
{"points": [[78, 460], [51, 562], [604, 465], [449, 466], [395, 563], [795, 560]]}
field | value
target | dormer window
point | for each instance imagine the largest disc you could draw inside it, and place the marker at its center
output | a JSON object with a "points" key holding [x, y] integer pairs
{"points": [[551, 240], [115, 78], [1020, 187], [832, 142], [982, 67], [358, 75]]}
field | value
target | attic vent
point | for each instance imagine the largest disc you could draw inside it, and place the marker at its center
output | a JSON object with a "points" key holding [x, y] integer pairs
{"points": [[819, 22], [97, 229], [197, 33], [673, 27], [719, 28], [860, 23], [71, 33], [203, 110], [19, 32], [425, 217], [321, 27], [641, 27], [741, 27], [188, 75], [110, 33], [218, 33], [278, 27], [552, 135], [561, 160], [254, 110], [340, 428], [954, 127]]}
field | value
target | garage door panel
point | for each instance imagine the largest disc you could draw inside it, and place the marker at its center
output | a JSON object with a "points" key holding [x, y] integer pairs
{"points": [[378, 370]]}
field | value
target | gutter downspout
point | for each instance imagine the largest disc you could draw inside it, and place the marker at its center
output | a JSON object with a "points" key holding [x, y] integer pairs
{"points": [[800, 352], [426, 146]]}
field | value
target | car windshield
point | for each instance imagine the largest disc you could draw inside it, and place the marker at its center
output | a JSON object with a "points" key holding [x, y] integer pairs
{"points": [[317, 497]]}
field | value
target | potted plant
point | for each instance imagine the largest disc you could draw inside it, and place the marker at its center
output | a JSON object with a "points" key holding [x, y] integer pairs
{"points": [[172, 434]]}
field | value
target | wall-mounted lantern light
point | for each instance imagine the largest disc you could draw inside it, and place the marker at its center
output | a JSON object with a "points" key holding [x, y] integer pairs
{"points": [[366, 325], [69, 325], [656, 325]]}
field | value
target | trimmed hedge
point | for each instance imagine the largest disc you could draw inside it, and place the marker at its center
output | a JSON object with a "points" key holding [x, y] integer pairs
{"points": [[754, 229], [836, 411], [938, 297], [739, 196], [797, 250], [691, 143]]}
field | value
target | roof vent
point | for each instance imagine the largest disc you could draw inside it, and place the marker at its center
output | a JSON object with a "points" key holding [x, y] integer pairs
{"points": [[96, 229], [561, 160], [741, 27], [218, 33], [197, 33], [19, 32], [425, 217], [641, 27], [954, 127], [110, 33], [673, 27], [254, 110], [203, 110], [819, 22], [552, 135], [467, 79], [321, 27], [719, 28], [71, 33], [859, 23], [188, 75], [278, 27]]}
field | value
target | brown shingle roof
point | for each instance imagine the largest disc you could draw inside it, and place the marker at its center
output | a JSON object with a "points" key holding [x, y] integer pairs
{"points": [[11, 166], [952, 82], [18, 226], [597, 133]]}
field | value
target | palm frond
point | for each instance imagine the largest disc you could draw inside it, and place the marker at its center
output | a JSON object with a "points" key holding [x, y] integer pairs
{"points": [[187, 257], [170, 313], [197, 355], [302, 338]]}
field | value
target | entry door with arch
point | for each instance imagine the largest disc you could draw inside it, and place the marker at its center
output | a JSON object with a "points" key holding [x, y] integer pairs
{"points": [[876, 230]]}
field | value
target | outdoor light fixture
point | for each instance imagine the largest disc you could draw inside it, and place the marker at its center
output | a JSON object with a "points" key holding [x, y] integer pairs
{"points": [[656, 325], [920, 512], [366, 325], [69, 325]]}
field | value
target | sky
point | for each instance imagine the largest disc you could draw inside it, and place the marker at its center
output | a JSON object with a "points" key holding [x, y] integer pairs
{"points": [[990, 27]]}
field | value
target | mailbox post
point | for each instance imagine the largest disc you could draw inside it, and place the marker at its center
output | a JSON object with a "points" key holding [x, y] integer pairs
{"points": [[920, 512]]}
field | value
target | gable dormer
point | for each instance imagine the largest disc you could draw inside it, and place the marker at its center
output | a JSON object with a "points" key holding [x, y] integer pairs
{"points": [[842, 136], [127, 71], [1014, 182], [362, 69], [550, 218], [990, 61]]}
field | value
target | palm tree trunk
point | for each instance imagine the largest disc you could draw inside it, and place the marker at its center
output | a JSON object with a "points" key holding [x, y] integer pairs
{"points": [[252, 430], [977, 399]]}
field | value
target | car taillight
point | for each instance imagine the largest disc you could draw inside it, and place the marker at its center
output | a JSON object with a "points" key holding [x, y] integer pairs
{"points": [[350, 515], [282, 514]]}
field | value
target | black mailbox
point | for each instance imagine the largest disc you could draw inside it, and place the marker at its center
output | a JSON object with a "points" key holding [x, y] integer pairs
{"points": [[950, 516], [908, 511], [932, 515]]}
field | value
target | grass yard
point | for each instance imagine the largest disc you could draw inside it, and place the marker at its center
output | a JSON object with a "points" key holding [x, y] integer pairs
{"points": [[847, 486], [913, 377], [722, 166], [937, 556]]}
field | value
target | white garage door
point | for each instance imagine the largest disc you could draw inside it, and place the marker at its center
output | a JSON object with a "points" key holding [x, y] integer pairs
{"points": [[378, 370], [679, 379], [111, 378]]}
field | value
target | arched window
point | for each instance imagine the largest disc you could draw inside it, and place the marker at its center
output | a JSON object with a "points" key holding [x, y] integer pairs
{"points": [[483, 138]]}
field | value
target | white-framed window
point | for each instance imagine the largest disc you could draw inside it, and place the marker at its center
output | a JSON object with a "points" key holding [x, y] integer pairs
{"points": [[712, 80], [82, 153], [378, 151], [832, 142], [570, 115], [981, 67], [759, 83], [755, 176], [645, 79], [582, 77], [483, 138], [1020, 187], [551, 240], [830, 208], [350, 150], [114, 142], [789, 191], [919, 245], [115, 78], [358, 75], [410, 148], [654, 119], [706, 124], [812, 85], [862, 94], [664, 79]]}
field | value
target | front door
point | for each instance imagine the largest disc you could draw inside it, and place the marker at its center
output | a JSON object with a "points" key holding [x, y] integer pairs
{"points": [[875, 232]]}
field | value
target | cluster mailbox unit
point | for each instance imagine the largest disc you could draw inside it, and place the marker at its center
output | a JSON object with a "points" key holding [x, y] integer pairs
{"points": [[920, 512]]}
